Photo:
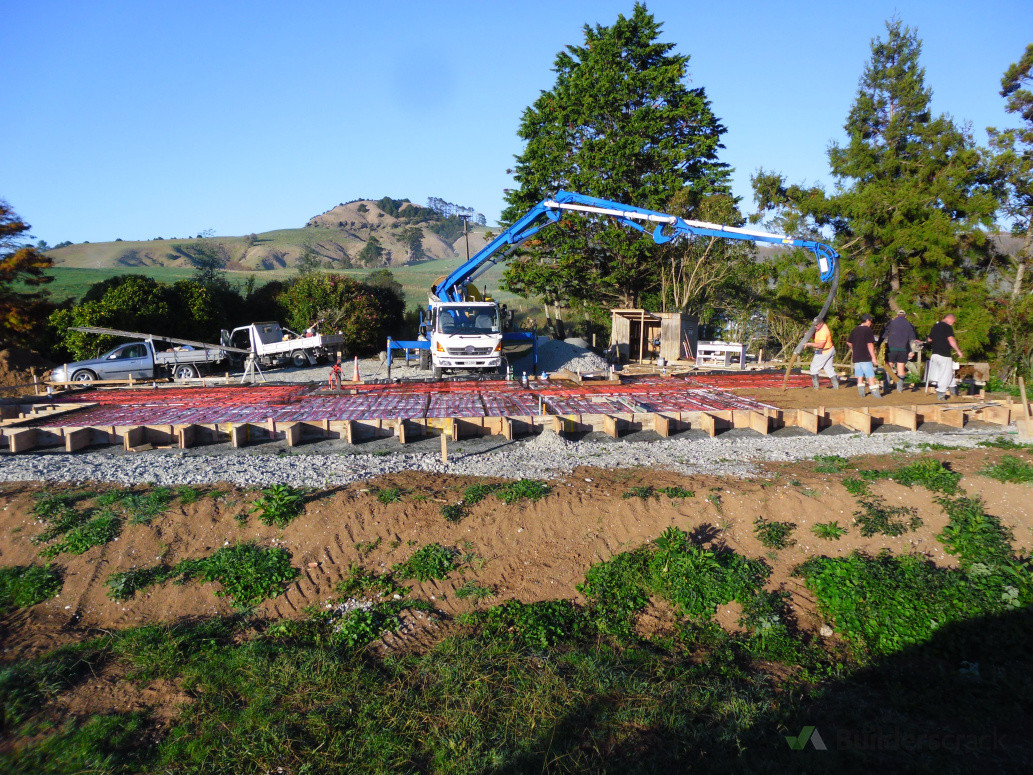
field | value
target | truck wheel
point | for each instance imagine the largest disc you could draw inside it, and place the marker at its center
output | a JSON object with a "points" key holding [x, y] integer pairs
{"points": [[438, 372], [299, 359], [185, 371], [424, 360], [83, 375]]}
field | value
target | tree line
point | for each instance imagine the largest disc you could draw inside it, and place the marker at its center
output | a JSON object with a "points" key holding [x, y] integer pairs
{"points": [[914, 208]]}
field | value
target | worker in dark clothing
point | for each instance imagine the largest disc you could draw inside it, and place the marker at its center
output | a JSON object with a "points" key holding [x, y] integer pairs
{"points": [[898, 336], [941, 366], [862, 347]]}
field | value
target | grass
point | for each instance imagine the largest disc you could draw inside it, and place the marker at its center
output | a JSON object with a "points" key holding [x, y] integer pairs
{"points": [[646, 491], [246, 573], [1010, 469], [389, 494], [830, 464], [137, 508], [473, 591], [508, 492], [23, 586], [279, 505]]}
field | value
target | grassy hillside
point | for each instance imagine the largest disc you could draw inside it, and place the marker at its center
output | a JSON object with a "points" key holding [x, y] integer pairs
{"points": [[336, 239]]}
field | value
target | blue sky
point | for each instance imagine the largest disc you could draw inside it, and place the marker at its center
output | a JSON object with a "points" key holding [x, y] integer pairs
{"points": [[142, 119]]}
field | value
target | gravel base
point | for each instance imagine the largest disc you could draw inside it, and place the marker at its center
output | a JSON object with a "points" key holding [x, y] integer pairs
{"points": [[735, 453]]}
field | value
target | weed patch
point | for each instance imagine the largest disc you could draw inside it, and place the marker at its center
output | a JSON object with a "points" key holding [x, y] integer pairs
{"points": [[509, 492], [279, 504], [248, 574], [389, 495], [137, 508], [830, 531], [830, 464], [454, 512], [22, 586], [646, 492], [471, 590], [433, 561], [930, 473], [1010, 469], [774, 535], [875, 517]]}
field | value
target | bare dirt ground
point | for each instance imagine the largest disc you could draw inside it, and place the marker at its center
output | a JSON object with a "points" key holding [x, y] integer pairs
{"points": [[846, 396], [16, 364], [527, 551]]}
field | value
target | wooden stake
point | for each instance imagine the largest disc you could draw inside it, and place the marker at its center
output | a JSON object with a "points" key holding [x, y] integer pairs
{"points": [[1025, 403], [444, 447]]}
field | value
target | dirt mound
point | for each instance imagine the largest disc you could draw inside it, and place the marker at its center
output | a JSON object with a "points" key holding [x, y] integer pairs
{"points": [[16, 364]]}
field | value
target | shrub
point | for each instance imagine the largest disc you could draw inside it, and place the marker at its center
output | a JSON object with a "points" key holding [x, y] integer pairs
{"points": [[433, 561], [279, 504]]}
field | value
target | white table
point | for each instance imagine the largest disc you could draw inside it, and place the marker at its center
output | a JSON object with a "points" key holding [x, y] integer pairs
{"points": [[720, 353]]}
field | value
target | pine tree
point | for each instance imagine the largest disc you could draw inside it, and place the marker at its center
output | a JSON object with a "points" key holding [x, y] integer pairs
{"points": [[913, 198], [620, 124]]}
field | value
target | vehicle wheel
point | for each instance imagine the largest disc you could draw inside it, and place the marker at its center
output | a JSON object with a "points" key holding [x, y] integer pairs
{"points": [[424, 360], [438, 372], [299, 359], [185, 371], [83, 375]]}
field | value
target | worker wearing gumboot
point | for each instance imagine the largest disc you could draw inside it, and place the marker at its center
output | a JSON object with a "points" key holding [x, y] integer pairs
{"points": [[862, 347], [941, 367], [824, 354]]}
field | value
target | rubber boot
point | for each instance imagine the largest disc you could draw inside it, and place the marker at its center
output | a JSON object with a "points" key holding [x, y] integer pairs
{"points": [[814, 381], [876, 393], [860, 389], [900, 385], [835, 382]]}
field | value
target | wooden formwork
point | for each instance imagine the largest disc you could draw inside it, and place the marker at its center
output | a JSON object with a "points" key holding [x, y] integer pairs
{"points": [[142, 437]]}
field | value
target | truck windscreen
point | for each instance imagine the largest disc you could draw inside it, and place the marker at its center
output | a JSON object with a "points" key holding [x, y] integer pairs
{"points": [[468, 320]]}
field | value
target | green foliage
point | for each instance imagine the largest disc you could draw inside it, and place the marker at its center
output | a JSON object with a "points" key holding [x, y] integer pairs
{"points": [[454, 512], [1003, 442], [138, 508], [279, 504], [885, 604], [95, 531], [363, 314], [1010, 469], [115, 743], [23, 275], [974, 536], [27, 685], [856, 487], [359, 583], [247, 573], [644, 491], [830, 531], [620, 123], [433, 561], [830, 464], [930, 473], [911, 208], [538, 625], [509, 492], [876, 517], [647, 491], [188, 494], [774, 535], [389, 495], [22, 586], [473, 590]]}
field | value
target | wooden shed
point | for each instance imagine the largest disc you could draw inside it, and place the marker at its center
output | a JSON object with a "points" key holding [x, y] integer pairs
{"points": [[633, 331]]}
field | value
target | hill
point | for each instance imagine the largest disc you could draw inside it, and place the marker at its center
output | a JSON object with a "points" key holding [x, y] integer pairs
{"points": [[358, 235]]}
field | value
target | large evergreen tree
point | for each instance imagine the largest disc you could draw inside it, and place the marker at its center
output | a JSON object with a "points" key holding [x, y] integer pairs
{"points": [[619, 123], [912, 203]]}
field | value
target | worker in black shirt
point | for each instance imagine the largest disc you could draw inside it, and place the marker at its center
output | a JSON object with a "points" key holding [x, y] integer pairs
{"points": [[862, 347], [898, 336], [941, 366]]}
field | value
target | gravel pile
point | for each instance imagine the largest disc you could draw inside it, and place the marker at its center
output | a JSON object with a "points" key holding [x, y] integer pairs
{"points": [[544, 456], [571, 354]]}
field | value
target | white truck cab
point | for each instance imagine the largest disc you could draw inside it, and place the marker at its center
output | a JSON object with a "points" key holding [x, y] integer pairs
{"points": [[466, 336]]}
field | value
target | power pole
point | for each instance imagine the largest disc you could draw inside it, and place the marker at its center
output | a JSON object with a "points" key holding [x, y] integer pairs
{"points": [[466, 233]]}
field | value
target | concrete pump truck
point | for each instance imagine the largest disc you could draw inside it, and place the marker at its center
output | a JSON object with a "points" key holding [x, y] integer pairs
{"points": [[465, 331]]}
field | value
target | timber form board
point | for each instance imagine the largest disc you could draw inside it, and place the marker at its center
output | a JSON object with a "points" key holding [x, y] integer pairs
{"points": [[143, 437]]}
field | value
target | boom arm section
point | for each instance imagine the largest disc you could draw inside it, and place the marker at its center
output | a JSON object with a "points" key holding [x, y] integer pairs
{"points": [[666, 228]]}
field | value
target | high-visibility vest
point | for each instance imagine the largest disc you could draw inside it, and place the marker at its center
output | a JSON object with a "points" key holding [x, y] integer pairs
{"points": [[823, 337]]}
